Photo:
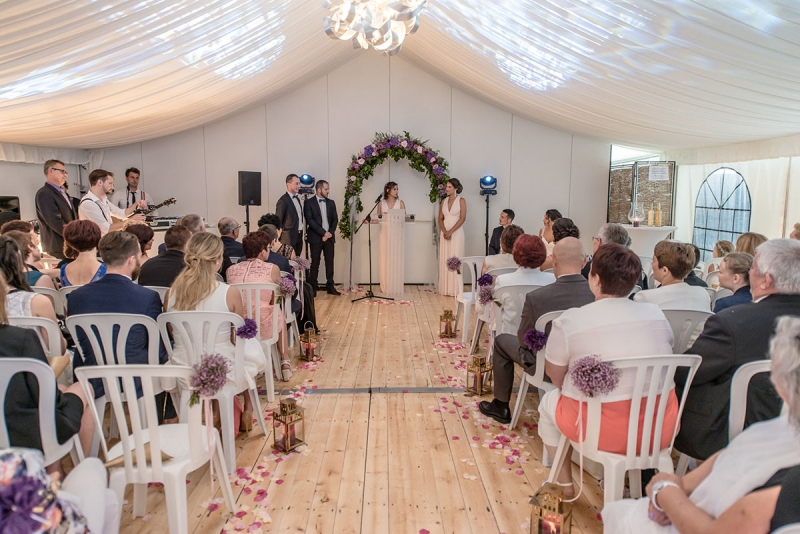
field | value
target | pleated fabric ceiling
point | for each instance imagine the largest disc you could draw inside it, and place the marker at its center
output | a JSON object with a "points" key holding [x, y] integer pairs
{"points": [[669, 74]]}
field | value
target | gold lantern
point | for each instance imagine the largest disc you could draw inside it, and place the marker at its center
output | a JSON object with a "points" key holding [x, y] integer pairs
{"points": [[549, 513], [289, 429], [478, 374], [308, 342], [447, 324]]}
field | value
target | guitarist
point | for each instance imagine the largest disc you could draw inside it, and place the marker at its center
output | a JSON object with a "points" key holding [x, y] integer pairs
{"points": [[125, 198], [95, 206]]}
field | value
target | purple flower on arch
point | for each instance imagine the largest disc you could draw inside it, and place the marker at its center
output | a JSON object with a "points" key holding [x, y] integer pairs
{"points": [[438, 171], [393, 141], [368, 151]]}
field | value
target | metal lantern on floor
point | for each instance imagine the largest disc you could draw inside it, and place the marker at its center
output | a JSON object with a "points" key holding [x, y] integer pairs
{"points": [[308, 343], [549, 513], [478, 374], [289, 428], [447, 324]]}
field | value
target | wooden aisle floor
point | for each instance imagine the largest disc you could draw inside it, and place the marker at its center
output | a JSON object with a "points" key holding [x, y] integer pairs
{"points": [[393, 445]]}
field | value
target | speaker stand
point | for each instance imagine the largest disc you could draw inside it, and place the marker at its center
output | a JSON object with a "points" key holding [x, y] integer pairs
{"points": [[247, 218]]}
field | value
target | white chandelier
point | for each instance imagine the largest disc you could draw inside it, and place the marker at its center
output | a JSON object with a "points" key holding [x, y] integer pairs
{"points": [[382, 24]]}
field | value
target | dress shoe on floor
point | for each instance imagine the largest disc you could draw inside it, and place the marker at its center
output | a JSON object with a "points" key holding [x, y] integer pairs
{"points": [[499, 414], [332, 291]]}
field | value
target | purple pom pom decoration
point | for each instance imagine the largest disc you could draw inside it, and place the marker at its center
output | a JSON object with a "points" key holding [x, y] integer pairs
{"points": [[302, 264], [485, 280], [454, 264], [485, 295], [594, 377], [248, 330], [209, 377], [287, 285], [535, 340]]}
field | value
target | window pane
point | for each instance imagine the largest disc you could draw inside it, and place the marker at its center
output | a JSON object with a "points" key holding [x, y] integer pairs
{"points": [[723, 188]]}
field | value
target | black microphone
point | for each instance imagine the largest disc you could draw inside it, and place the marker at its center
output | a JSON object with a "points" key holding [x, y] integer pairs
{"points": [[379, 198]]}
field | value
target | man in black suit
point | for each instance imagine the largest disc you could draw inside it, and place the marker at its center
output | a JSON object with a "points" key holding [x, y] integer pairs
{"points": [[290, 211], [321, 219], [731, 338], [54, 208], [229, 233], [506, 218], [162, 270], [571, 290]]}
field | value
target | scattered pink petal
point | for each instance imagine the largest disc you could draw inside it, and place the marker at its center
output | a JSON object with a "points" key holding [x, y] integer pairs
{"points": [[455, 438], [279, 481], [424, 531], [519, 472], [147, 517], [475, 438], [255, 526], [239, 526], [213, 506], [405, 391]]}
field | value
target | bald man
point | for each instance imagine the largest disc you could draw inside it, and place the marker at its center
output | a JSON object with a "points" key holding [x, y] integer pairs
{"points": [[571, 290]]}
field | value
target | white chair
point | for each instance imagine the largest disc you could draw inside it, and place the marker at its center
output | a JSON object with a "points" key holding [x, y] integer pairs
{"points": [[635, 290], [165, 453], [251, 298], [293, 330], [720, 294], [65, 291], [739, 386], [483, 318], [686, 326], [162, 291], [550, 270], [715, 262], [218, 278], [700, 270], [653, 378], [506, 295], [465, 300], [55, 297], [53, 451], [712, 293], [537, 379], [87, 484], [789, 529], [52, 347], [197, 331], [712, 279]]}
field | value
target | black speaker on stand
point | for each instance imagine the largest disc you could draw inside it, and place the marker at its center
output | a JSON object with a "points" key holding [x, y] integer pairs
{"points": [[249, 193]]}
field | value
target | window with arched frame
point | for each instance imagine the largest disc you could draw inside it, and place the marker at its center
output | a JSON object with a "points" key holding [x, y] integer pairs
{"points": [[722, 210]]}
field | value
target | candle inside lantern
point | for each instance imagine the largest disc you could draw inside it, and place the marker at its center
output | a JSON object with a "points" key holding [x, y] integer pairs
{"points": [[636, 222], [548, 527]]}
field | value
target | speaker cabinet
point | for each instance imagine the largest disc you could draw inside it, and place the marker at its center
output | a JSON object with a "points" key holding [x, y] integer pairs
{"points": [[249, 188]]}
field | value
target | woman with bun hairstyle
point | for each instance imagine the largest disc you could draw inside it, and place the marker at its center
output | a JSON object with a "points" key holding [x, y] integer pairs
{"points": [[452, 214]]}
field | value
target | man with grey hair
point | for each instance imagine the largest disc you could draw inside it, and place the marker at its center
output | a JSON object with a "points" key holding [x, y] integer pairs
{"points": [[733, 337], [611, 233], [229, 233]]}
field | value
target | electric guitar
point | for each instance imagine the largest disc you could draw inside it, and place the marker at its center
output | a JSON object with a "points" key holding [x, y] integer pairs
{"points": [[151, 209]]}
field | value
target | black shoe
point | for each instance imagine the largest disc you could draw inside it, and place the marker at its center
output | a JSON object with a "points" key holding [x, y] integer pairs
{"points": [[332, 291], [499, 414]]}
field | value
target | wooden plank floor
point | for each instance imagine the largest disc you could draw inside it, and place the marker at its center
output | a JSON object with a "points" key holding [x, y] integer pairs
{"points": [[395, 461]]}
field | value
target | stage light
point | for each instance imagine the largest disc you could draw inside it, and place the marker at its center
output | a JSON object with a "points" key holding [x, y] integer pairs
{"points": [[488, 189], [488, 183], [307, 184]]}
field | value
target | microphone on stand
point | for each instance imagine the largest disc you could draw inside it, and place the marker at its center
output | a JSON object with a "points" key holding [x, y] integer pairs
{"points": [[379, 198]]}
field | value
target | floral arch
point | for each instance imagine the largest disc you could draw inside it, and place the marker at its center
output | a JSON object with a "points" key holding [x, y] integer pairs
{"points": [[396, 146]]}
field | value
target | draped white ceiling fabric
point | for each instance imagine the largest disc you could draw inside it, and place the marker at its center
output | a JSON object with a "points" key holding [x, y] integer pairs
{"points": [[650, 73]]}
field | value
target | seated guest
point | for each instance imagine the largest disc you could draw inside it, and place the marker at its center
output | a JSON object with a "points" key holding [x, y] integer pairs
{"points": [[749, 242], [145, 235], [504, 258], [82, 236], [612, 327], [506, 218], [30, 256], [116, 293], [611, 233], [722, 248], [692, 279], [284, 249], [570, 290], [229, 233], [276, 258], [256, 270], [744, 487], [672, 261], [196, 288], [20, 300], [796, 232], [734, 274], [733, 337], [196, 224], [22, 397], [529, 254], [563, 227], [546, 232], [162, 270], [27, 228]]}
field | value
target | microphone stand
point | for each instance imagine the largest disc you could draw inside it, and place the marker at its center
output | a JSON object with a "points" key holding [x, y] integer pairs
{"points": [[369, 294]]}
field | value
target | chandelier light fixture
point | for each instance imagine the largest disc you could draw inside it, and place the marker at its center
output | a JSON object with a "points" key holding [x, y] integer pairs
{"points": [[381, 24]]}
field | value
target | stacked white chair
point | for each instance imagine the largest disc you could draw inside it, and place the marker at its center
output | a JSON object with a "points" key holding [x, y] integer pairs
{"points": [[650, 456], [483, 318], [251, 296], [465, 300], [686, 326], [166, 453], [197, 331]]}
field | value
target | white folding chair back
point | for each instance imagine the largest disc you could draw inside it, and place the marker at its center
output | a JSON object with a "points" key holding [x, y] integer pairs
{"points": [[165, 453], [653, 380], [739, 386], [162, 291], [51, 346], [686, 326], [537, 379], [197, 331], [251, 299], [55, 297], [511, 299], [712, 262], [720, 294], [712, 279], [465, 300], [53, 451]]}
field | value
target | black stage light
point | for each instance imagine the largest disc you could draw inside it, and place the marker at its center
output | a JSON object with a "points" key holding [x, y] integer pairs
{"points": [[488, 189], [307, 184]]}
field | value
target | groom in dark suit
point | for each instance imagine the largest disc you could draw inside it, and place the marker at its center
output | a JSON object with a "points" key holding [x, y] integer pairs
{"points": [[290, 211], [321, 219], [54, 208]]}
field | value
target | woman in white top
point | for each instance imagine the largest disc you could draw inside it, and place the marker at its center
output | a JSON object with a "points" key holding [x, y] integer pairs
{"points": [[672, 262], [391, 201], [505, 259], [197, 289], [452, 214], [546, 232]]}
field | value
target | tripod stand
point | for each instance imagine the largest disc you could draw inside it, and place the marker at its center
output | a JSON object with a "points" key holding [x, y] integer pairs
{"points": [[370, 294]]}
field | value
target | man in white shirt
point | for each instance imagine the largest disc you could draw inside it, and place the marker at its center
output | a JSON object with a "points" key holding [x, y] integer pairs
{"points": [[672, 262], [95, 206], [124, 198]]}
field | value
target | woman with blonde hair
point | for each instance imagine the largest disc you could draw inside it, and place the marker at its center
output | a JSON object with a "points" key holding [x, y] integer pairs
{"points": [[734, 274], [197, 289], [748, 242], [722, 248]]}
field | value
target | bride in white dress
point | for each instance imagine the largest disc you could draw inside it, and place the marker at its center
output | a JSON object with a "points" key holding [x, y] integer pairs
{"points": [[452, 214], [391, 201]]}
